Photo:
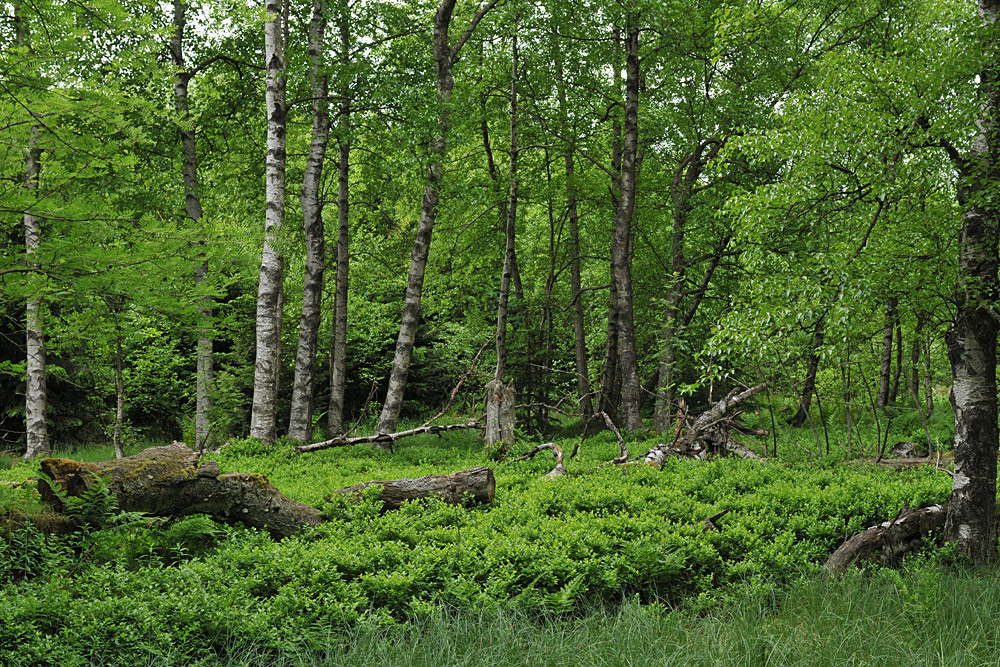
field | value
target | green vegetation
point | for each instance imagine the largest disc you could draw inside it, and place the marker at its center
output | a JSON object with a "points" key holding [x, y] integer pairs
{"points": [[610, 561]]}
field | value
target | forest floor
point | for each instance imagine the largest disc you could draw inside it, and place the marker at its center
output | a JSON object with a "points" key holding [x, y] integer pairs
{"points": [[607, 566]]}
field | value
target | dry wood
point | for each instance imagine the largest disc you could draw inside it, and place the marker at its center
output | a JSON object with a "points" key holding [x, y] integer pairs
{"points": [[709, 432], [474, 484], [557, 452], [386, 439], [890, 539]]}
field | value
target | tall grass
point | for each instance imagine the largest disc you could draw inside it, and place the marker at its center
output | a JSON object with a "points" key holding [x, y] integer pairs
{"points": [[926, 616]]}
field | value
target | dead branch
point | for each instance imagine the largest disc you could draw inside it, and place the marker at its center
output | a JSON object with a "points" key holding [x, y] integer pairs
{"points": [[709, 432], [471, 485], [386, 438], [889, 540], [557, 452]]}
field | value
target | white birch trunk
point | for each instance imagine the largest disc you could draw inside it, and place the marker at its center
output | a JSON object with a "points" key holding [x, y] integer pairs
{"points": [[262, 416], [35, 393]]}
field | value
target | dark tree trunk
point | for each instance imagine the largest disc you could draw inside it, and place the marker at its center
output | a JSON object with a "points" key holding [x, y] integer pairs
{"points": [[631, 420], [444, 59], [193, 211], [338, 333], [809, 385], [898, 371], [300, 415], [885, 373]]}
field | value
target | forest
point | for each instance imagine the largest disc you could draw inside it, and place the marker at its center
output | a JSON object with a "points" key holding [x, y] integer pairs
{"points": [[496, 331]]}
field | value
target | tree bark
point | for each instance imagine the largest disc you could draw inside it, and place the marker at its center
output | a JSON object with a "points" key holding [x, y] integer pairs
{"points": [[631, 419], [898, 371], [498, 435], [972, 338], [268, 322], [192, 209], [885, 373], [444, 59], [338, 352], [473, 485], [585, 402], [116, 439], [812, 367], [35, 388], [300, 417]]}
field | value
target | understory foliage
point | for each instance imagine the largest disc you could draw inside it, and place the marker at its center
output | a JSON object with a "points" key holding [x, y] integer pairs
{"points": [[193, 592]]}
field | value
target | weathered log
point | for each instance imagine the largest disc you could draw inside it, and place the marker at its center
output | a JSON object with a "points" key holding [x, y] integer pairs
{"points": [[474, 484], [890, 539], [709, 433], [167, 481], [385, 440]]}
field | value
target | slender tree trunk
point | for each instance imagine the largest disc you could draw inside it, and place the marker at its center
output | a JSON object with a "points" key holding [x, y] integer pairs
{"points": [[812, 367], [300, 417], [898, 371], [35, 391], [116, 438], [500, 397], [972, 338], [630, 417], [585, 401], [267, 365], [444, 59], [338, 351], [928, 378], [885, 374], [193, 211]]}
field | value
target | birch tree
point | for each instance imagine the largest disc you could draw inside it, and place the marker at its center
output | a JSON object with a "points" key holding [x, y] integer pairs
{"points": [[268, 321]]}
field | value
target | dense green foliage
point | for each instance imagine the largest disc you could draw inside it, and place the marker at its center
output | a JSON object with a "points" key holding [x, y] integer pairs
{"points": [[188, 592]]}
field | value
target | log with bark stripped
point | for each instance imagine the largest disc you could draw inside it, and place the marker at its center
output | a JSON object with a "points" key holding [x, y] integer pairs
{"points": [[386, 439]]}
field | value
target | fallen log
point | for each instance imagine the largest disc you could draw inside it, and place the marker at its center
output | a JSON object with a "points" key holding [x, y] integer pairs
{"points": [[474, 484], [168, 481], [889, 540], [709, 433], [385, 440]]}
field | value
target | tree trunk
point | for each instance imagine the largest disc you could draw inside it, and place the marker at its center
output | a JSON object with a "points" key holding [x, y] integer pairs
{"points": [[35, 391], [499, 396], [585, 402], [898, 371], [972, 338], [631, 419], [500, 417], [444, 59], [809, 385], [116, 438], [193, 211], [300, 417], [267, 365], [885, 373]]}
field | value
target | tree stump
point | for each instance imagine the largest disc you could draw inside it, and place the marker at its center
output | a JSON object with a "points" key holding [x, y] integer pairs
{"points": [[500, 417]]}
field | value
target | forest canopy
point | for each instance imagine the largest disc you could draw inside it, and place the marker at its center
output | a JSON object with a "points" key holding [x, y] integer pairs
{"points": [[283, 218]]}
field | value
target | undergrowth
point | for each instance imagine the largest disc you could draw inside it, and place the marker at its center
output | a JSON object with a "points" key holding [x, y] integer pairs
{"points": [[580, 557]]}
